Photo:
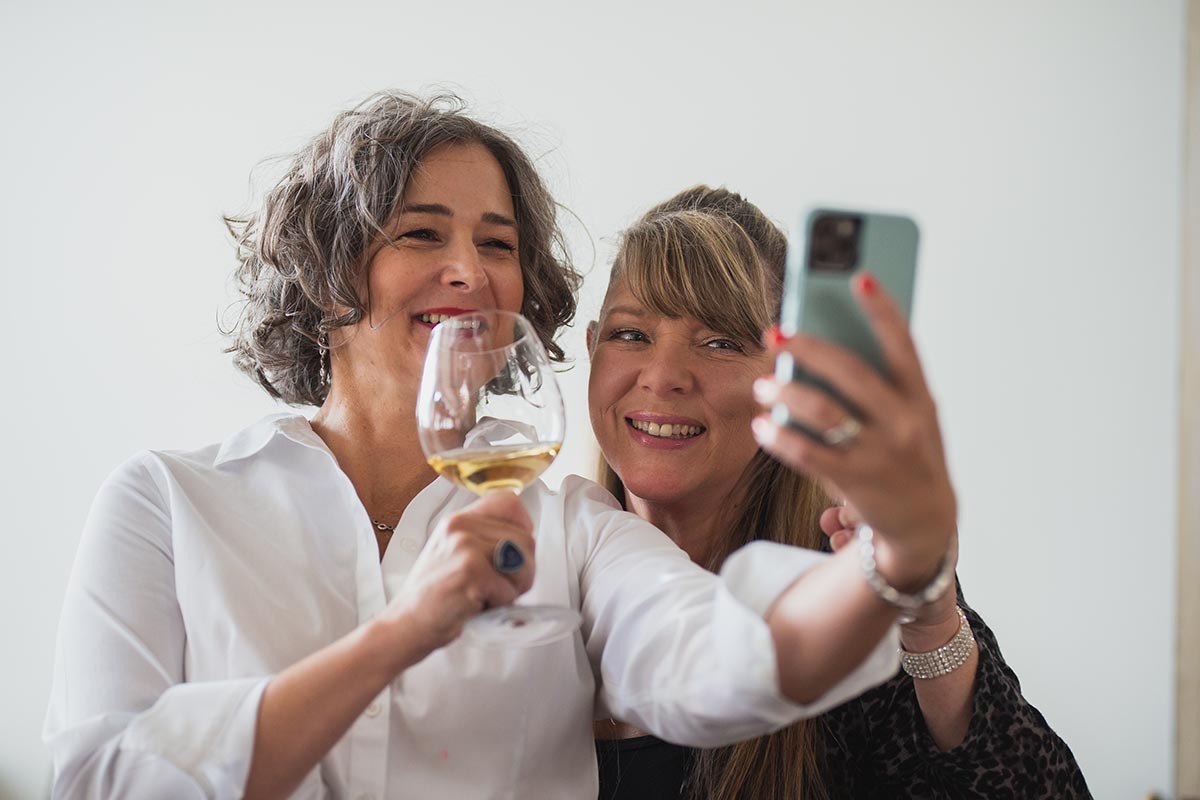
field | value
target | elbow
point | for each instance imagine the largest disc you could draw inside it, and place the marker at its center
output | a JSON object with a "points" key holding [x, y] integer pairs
{"points": [[804, 686], [809, 666], [803, 696], [805, 676]]}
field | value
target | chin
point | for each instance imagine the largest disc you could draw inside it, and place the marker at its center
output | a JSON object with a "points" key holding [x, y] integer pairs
{"points": [[653, 489]]}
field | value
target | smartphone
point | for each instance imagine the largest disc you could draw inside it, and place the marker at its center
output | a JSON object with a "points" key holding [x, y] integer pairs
{"points": [[830, 248]]}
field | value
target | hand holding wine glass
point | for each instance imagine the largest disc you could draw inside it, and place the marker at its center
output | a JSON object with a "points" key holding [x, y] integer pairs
{"points": [[490, 418]]}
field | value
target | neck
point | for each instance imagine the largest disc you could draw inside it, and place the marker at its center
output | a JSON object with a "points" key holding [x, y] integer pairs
{"points": [[376, 445]]}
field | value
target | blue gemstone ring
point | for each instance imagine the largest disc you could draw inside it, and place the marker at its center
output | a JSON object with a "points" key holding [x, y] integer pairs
{"points": [[507, 558]]}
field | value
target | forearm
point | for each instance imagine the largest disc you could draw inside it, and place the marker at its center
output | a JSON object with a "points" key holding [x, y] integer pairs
{"points": [[945, 701], [309, 706], [824, 625]]}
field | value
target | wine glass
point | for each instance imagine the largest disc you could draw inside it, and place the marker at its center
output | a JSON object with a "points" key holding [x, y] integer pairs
{"points": [[490, 418]]}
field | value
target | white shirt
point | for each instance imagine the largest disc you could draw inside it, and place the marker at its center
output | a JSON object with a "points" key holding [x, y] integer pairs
{"points": [[201, 574]]}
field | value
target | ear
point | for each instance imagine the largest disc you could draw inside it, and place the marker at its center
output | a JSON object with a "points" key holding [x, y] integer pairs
{"points": [[591, 335]]}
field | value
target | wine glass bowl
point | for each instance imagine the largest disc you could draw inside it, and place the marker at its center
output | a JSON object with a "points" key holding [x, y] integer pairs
{"points": [[490, 418]]}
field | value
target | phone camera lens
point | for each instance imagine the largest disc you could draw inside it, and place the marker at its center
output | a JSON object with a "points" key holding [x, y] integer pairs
{"points": [[834, 242]]}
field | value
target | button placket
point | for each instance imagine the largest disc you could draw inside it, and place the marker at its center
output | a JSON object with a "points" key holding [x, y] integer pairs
{"points": [[368, 747]]}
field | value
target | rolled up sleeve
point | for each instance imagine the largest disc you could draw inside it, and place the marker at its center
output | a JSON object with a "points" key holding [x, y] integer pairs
{"points": [[752, 579], [688, 656], [122, 721]]}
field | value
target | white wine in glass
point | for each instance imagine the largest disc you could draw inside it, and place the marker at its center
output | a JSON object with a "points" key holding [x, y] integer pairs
{"points": [[513, 467], [490, 418]]}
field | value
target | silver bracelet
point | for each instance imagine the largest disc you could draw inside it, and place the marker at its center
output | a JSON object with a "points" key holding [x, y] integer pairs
{"points": [[890, 594], [946, 658]]}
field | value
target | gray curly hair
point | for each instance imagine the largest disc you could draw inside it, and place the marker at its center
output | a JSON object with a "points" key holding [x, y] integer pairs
{"points": [[304, 253]]}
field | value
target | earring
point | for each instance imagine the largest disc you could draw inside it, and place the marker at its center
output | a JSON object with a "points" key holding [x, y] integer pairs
{"points": [[323, 347]]}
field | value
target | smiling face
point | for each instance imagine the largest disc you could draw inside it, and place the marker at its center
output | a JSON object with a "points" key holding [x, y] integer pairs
{"points": [[455, 249], [670, 401]]}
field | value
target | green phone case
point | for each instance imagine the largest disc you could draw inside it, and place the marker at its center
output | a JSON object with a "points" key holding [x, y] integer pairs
{"points": [[821, 302]]}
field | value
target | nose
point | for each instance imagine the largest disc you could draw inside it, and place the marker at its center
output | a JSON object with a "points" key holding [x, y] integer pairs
{"points": [[462, 268], [667, 371]]}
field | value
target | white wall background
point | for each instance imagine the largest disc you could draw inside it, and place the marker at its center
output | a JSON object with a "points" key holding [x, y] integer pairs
{"points": [[1038, 143]]}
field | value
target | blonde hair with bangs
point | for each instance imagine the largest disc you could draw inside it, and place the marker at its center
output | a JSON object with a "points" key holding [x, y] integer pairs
{"points": [[712, 255], [693, 263]]}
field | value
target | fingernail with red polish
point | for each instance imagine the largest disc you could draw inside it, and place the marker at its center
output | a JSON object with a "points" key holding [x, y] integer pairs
{"points": [[867, 283]]}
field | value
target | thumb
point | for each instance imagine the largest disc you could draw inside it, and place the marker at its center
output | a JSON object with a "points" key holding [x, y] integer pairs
{"points": [[840, 539]]}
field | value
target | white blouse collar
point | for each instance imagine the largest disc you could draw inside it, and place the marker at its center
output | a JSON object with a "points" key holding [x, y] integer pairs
{"points": [[249, 441]]}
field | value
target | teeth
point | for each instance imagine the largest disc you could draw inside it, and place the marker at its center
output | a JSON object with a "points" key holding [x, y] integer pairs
{"points": [[438, 319], [667, 431]]}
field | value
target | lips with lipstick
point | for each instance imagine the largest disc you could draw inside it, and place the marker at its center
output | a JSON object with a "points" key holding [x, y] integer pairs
{"points": [[666, 430]]}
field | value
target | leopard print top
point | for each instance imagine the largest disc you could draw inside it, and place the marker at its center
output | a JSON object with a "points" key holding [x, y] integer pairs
{"points": [[877, 746]]}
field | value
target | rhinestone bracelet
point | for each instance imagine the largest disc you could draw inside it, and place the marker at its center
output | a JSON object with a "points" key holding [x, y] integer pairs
{"points": [[946, 658], [890, 594]]}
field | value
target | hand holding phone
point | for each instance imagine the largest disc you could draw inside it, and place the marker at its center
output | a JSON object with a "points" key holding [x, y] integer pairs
{"points": [[849, 404]]}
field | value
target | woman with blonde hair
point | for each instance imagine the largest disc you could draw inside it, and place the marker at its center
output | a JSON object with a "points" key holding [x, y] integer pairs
{"points": [[675, 393]]}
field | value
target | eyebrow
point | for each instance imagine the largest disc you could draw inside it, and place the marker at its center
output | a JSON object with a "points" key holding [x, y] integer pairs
{"points": [[633, 311], [490, 217]]}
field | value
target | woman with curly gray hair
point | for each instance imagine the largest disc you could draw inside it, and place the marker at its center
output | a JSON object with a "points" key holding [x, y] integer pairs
{"points": [[302, 257], [279, 613]]}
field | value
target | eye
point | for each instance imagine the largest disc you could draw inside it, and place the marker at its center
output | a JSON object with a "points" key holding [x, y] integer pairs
{"points": [[499, 244], [420, 234], [726, 345], [628, 335]]}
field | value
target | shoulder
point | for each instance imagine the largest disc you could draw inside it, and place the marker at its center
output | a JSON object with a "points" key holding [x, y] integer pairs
{"points": [[154, 477], [240, 445], [130, 514], [133, 481], [586, 504], [599, 531], [576, 489]]}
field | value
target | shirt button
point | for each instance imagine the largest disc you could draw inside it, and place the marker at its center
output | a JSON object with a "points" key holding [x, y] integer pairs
{"points": [[374, 709], [409, 545]]}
